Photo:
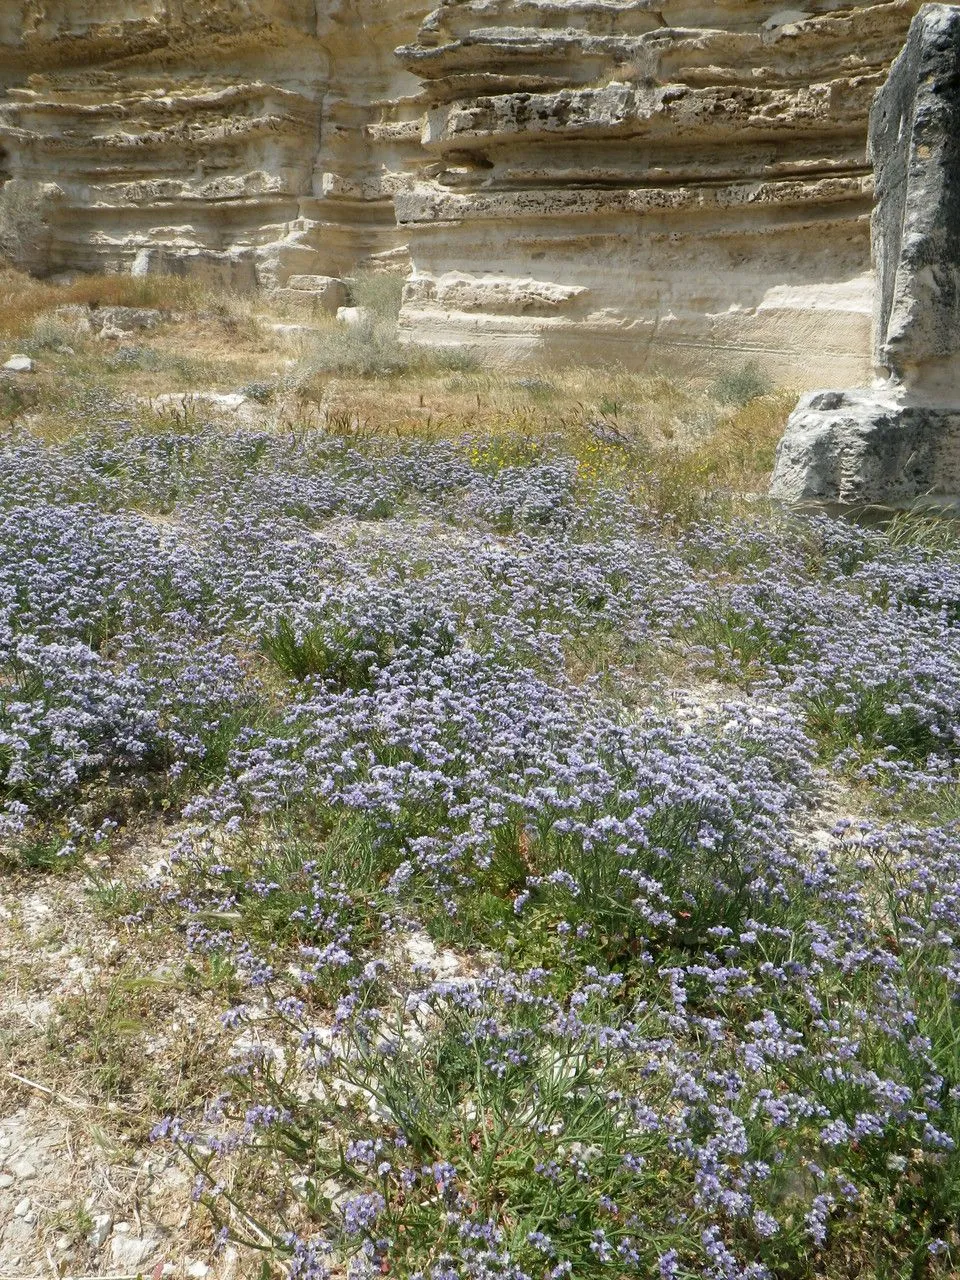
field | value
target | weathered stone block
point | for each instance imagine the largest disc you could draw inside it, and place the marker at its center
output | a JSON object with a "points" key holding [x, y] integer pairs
{"points": [[323, 303], [354, 317], [234, 271], [915, 144], [124, 320], [327, 293], [18, 364], [855, 447]]}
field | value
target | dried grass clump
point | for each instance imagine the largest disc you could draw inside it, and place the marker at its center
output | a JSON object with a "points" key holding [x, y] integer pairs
{"points": [[371, 347], [23, 298]]}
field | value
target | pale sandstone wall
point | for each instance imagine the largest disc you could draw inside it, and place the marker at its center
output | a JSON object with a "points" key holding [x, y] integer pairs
{"points": [[244, 138], [593, 178], [649, 178]]}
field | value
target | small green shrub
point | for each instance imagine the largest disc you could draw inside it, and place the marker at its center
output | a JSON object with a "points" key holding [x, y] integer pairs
{"points": [[261, 392], [540, 388], [372, 349], [50, 332], [873, 719], [378, 292], [327, 649], [741, 645], [135, 358], [740, 386], [15, 398]]}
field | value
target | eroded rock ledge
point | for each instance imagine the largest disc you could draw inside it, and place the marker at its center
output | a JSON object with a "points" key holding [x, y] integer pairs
{"points": [[247, 139], [620, 179], [613, 178]]}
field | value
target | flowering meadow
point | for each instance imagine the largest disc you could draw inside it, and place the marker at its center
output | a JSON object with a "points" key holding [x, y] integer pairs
{"points": [[587, 877]]}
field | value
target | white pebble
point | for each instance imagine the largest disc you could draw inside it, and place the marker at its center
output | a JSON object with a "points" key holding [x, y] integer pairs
{"points": [[102, 1222], [19, 364]]}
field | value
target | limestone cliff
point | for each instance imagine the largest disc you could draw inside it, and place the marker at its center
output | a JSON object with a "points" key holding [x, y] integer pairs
{"points": [[612, 178], [687, 176], [250, 139]]}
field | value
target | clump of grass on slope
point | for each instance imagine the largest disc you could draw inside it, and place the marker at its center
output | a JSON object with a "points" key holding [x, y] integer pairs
{"points": [[371, 347]]}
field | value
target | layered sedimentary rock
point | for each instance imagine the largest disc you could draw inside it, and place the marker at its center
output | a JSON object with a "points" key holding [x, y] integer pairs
{"points": [[245, 139], [900, 440], [669, 176], [593, 178]]}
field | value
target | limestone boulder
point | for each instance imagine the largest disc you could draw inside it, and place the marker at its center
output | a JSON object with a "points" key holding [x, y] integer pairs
{"points": [[354, 317], [231, 404], [18, 364], [123, 321], [865, 447]]}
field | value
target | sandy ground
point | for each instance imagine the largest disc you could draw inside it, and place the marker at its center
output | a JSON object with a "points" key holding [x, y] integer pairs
{"points": [[82, 1190]]}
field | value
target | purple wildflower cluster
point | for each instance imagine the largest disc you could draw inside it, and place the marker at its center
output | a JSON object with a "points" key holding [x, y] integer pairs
{"points": [[543, 972], [109, 669]]}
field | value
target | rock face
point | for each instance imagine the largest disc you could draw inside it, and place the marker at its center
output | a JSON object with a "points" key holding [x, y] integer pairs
{"points": [[592, 178], [915, 142], [243, 140], [649, 177], [901, 440]]}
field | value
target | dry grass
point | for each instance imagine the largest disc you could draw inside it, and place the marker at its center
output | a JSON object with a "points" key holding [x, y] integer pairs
{"points": [[668, 434], [111, 1022], [102, 1030], [206, 340], [678, 437], [656, 409], [22, 298]]}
